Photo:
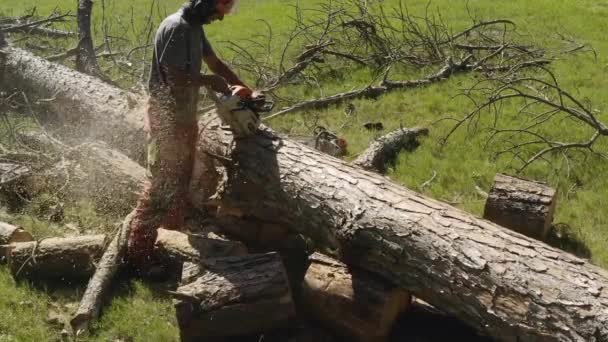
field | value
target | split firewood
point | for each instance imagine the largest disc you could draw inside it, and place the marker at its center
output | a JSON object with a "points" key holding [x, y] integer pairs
{"points": [[356, 305], [10, 234], [522, 205], [99, 284], [233, 296], [384, 150], [176, 248], [56, 258]]}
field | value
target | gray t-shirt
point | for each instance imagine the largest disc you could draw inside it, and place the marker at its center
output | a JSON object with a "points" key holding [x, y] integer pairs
{"points": [[181, 45]]}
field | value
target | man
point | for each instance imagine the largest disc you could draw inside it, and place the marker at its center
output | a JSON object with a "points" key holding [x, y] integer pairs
{"points": [[180, 46]]}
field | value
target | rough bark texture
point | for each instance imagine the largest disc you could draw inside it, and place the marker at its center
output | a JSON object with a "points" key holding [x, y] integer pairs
{"points": [[233, 296], [10, 234], [355, 304], [99, 284], [384, 150], [523, 205], [177, 247], [85, 60], [84, 107], [56, 258], [500, 282]]}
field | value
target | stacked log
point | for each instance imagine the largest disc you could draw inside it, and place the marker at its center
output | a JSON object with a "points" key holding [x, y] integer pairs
{"points": [[356, 305], [233, 296]]}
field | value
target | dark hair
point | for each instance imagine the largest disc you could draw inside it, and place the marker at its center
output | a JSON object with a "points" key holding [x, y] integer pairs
{"points": [[195, 10]]}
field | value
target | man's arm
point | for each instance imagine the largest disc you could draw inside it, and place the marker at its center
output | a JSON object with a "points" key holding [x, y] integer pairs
{"points": [[220, 68]]}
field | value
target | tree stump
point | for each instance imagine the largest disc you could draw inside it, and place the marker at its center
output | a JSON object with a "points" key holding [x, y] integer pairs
{"points": [[522, 205], [356, 305], [56, 258], [233, 296], [10, 234]]}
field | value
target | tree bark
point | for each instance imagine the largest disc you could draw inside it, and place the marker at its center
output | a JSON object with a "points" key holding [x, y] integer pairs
{"points": [[384, 150], [500, 282], [355, 304], [81, 107], [56, 258], [176, 247], [522, 205], [85, 60], [233, 296]]}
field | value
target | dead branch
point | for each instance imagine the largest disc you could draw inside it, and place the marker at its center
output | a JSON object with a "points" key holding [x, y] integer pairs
{"points": [[111, 261], [34, 26], [541, 101]]}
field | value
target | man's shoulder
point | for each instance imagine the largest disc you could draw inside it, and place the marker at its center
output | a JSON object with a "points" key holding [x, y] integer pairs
{"points": [[173, 22]]}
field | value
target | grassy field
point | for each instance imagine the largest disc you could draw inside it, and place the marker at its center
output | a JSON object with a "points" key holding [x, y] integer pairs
{"points": [[461, 166]]}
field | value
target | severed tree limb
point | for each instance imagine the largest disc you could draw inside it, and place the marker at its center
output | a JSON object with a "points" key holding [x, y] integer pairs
{"points": [[110, 263], [385, 149], [444, 73], [34, 27]]}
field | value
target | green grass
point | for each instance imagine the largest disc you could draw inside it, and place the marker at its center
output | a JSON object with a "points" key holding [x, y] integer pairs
{"points": [[460, 166]]}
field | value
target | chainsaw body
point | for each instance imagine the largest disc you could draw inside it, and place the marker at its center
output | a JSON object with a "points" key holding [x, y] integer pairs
{"points": [[241, 116]]}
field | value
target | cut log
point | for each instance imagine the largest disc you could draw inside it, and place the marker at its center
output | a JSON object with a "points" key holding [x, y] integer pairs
{"points": [[500, 282], [384, 150], [99, 284], [233, 296], [56, 258], [176, 247], [10, 234], [522, 205], [83, 107], [354, 304]]}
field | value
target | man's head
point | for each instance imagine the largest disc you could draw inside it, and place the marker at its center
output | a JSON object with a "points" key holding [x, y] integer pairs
{"points": [[207, 11]]}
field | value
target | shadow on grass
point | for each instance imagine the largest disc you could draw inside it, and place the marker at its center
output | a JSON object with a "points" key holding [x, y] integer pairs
{"points": [[561, 236]]}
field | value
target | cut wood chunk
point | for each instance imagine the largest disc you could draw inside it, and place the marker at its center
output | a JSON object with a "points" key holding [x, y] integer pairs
{"points": [[56, 258], [384, 150], [233, 296], [356, 305], [176, 247], [522, 205], [10, 234]]}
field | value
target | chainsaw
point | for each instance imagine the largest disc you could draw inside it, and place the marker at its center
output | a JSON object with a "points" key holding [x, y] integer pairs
{"points": [[242, 116]]}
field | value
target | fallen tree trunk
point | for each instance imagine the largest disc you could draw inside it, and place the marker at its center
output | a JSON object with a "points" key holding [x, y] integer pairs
{"points": [[356, 305], [500, 282], [522, 205], [56, 258], [84, 107], [99, 284], [233, 296], [384, 150]]}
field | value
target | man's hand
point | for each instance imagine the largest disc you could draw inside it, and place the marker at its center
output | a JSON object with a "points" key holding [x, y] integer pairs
{"points": [[246, 93]]}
